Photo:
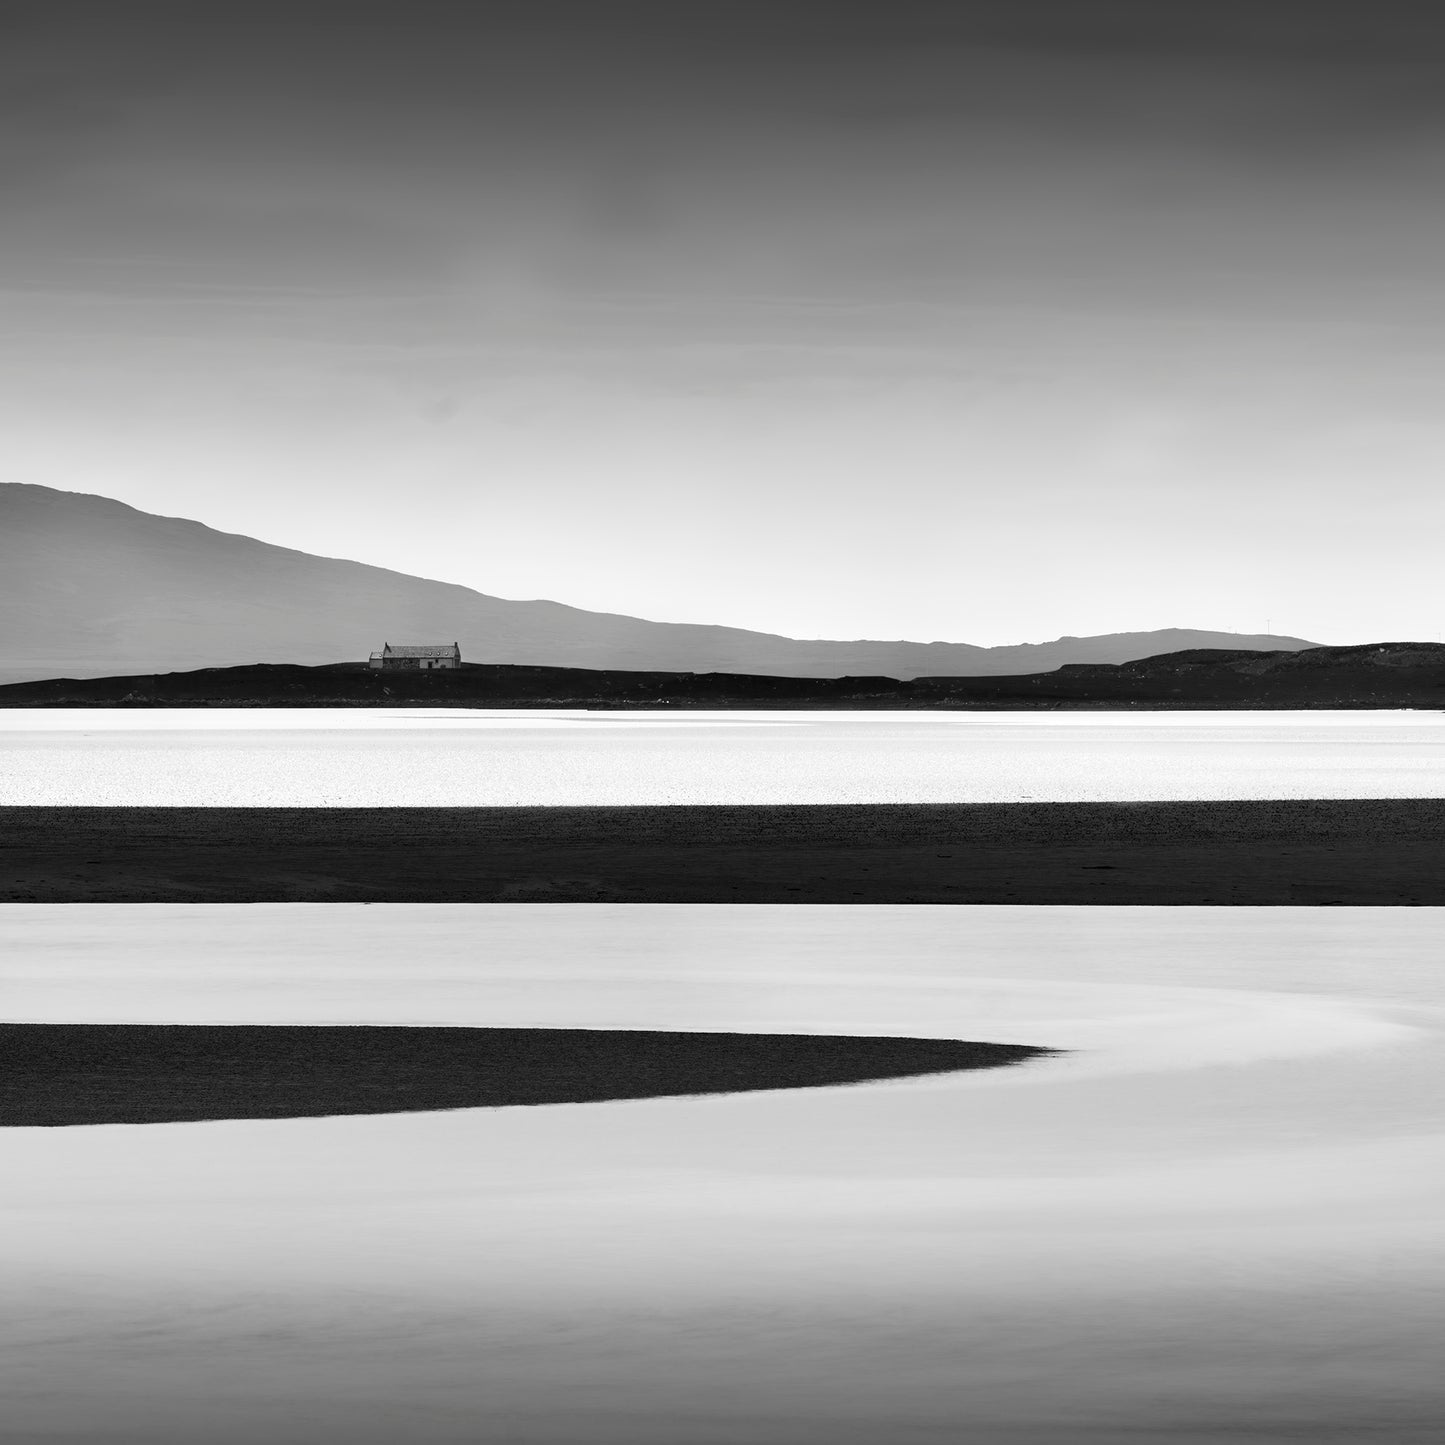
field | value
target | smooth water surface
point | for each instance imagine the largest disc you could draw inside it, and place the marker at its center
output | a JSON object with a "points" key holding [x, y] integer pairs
{"points": [[1217, 1218], [391, 757]]}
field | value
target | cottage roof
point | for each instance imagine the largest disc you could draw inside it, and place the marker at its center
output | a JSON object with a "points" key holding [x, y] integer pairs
{"points": [[440, 649]]}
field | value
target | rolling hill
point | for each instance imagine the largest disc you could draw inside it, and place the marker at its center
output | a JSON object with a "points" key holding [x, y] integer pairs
{"points": [[91, 587]]}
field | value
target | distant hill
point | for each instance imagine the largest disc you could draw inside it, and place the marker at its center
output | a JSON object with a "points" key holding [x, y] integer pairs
{"points": [[1396, 674], [90, 587]]}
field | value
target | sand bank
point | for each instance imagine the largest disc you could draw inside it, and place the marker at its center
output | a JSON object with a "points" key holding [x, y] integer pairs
{"points": [[1369, 852], [69, 1074]]}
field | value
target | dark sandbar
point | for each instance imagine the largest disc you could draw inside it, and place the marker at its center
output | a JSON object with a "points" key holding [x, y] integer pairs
{"points": [[1303, 852], [66, 1074]]}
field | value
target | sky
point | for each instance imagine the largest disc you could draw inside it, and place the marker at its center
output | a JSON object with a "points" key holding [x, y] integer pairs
{"points": [[983, 322]]}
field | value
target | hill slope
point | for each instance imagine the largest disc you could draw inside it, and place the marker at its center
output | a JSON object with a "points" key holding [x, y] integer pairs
{"points": [[91, 587]]}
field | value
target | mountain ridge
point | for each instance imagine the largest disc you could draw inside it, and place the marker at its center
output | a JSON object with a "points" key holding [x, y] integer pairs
{"points": [[95, 587]]}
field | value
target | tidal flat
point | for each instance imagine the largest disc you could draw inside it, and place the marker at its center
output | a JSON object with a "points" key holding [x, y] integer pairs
{"points": [[1214, 1217], [1299, 852]]}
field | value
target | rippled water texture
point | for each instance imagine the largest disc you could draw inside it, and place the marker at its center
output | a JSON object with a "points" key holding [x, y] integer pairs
{"points": [[1217, 1219], [337, 758]]}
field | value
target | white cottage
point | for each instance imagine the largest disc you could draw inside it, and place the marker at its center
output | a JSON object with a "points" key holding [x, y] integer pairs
{"points": [[413, 658]]}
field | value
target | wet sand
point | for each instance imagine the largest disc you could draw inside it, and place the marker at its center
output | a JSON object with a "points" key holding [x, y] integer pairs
{"points": [[1281, 852], [64, 1074]]}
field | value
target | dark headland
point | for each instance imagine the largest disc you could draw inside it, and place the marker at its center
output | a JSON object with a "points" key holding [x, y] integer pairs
{"points": [[1376, 675]]}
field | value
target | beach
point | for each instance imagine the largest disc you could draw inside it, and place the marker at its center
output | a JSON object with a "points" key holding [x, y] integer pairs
{"points": [[1213, 1217]]}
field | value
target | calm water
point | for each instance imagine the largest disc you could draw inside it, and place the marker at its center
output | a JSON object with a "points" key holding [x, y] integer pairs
{"points": [[1217, 1219], [332, 758]]}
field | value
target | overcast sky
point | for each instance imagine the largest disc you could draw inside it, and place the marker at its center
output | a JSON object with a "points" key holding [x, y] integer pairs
{"points": [[985, 322]]}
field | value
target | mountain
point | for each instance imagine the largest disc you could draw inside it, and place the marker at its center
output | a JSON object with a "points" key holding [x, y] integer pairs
{"points": [[90, 587]]}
